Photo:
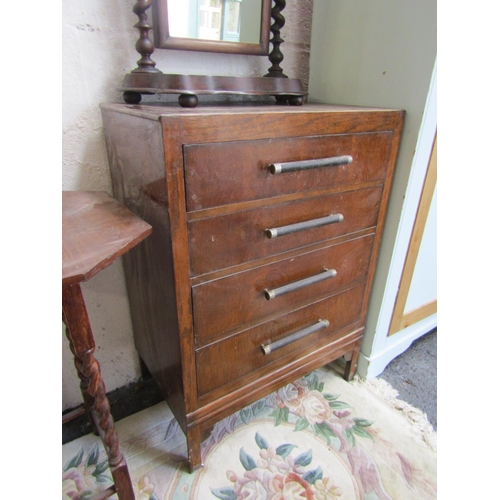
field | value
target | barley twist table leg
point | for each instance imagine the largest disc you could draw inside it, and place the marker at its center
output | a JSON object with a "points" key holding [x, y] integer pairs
{"points": [[90, 369], [84, 382], [82, 346]]}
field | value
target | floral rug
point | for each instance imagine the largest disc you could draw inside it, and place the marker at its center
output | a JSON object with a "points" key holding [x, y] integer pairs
{"points": [[318, 438]]}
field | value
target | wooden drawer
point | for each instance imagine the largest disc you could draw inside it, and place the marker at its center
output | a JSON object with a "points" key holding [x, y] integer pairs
{"points": [[224, 173], [225, 241], [240, 355], [221, 305]]}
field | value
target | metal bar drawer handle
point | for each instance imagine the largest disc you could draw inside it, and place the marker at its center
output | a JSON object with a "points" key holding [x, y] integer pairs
{"points": [[300, 226], [292, 166], [319, 325], [276, 292]]}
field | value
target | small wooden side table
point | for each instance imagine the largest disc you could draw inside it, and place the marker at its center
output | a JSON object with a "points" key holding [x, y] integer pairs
{"points": [[96, 230]]}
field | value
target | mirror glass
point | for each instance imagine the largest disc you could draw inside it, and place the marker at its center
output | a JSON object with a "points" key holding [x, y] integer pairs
{"points": [[235, 26], [222, 20]]}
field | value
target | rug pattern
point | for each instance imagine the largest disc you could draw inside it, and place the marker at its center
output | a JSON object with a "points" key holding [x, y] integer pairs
{"points": [[317, 438]]}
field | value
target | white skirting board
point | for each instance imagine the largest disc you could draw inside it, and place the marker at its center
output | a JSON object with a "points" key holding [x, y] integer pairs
{"points": [[370, 367]]}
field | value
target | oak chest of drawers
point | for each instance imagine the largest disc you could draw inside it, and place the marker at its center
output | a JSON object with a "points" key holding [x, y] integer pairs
{"points": [[266, 226]]}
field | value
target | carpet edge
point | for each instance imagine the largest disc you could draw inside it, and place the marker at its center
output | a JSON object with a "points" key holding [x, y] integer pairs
{"points": [[417, 419]]}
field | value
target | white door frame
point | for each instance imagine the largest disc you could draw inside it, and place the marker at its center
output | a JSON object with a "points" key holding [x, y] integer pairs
{"points": [[384, 347]]}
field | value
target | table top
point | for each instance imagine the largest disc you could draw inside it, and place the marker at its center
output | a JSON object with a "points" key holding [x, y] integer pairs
{"points": [[96, 230]]}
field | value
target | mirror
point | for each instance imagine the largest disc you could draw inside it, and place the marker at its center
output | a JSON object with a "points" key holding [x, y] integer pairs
{"points": [[224, 27], [231, 26]]}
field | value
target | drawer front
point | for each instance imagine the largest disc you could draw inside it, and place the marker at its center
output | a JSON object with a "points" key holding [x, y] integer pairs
{"points": [[224, 173], [224, 304], [242, 354], [224, 241]]}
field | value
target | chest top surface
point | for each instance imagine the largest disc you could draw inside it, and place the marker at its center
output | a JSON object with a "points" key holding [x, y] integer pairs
{"points": [[156, 110], [247, 122]]}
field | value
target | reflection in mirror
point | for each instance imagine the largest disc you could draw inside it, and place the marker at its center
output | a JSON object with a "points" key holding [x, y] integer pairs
{"points": [[223, 20], [233, 26]]}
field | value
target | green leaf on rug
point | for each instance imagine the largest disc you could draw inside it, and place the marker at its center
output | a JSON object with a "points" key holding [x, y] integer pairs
{"points": [[100, 468], [285, 449], [313, 382], [338, 405], [331, 397], [103, 479], [313, 475], [75, 461], [224, 493], [351, 439], [361, 432], [275, 413], [258, 407], [246, 460], [93, 456], [362, 422], [285, 413], [261, 442], [332, 401], [324, 430], [301, 424], [304, 459], [280, 415], [245, 415]]}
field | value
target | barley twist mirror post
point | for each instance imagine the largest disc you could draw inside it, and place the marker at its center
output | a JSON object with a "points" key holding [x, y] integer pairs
{"points": [[276, 57], [147, 79]]}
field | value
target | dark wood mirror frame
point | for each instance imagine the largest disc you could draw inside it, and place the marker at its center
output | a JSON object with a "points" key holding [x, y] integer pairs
{"points": [[163, 40], [147, 79]]}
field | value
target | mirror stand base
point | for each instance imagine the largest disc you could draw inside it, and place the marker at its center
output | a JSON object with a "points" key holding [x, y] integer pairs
{"points": [[188, 101], [285, 90]]}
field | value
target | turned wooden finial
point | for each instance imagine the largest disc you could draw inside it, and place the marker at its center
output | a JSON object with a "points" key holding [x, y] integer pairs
{"points": [[276, 56], [144, 45]]}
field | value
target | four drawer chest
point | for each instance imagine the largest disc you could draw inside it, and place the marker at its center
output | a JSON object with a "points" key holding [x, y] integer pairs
{"points": [[267, 221]]}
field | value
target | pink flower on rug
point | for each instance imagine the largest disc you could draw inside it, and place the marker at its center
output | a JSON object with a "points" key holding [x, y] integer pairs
{"points": [[290, 487], [78, 480], [270, 460], [326, 489], [85, 475], [289, 396], [253, 485], [310, 405], [143, 489], [72, 484], [251, 490], [314, 407], [277, 475], [342, 414]]}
